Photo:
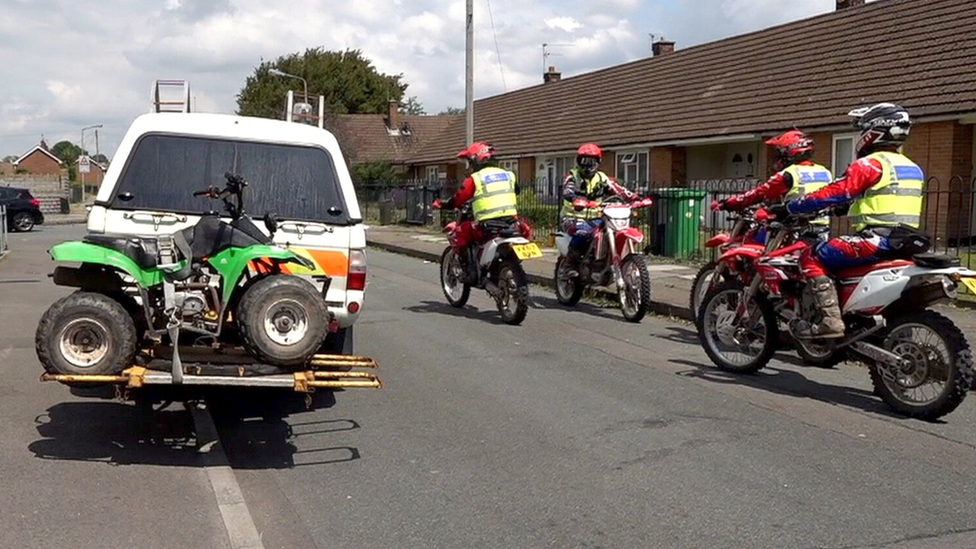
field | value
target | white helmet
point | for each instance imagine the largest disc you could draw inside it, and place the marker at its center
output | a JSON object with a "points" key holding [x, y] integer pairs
{"points": [[882, 124]]}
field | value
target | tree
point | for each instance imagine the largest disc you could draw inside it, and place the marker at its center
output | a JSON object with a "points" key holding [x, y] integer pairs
{"points": [[452, 110], [10, 158], [347, 79], [412, 106], [67, 151], [376, 172], [100, 158]]}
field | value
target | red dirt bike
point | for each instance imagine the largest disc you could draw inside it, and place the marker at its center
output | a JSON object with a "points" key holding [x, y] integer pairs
{"points": [[919, 361], [612, 258], [499, 271]]}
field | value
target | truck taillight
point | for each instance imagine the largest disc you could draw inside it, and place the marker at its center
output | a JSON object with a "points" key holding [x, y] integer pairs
{"points": [[35, 202], [357, 270]]}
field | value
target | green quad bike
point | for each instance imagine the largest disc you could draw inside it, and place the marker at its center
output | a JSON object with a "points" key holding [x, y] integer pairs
{"points": [[217, 283]]}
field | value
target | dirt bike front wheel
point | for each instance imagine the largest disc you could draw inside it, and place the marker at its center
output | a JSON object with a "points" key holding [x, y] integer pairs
{"points": [[735, 344], [635, 296], [453, 284], [937, 369]]}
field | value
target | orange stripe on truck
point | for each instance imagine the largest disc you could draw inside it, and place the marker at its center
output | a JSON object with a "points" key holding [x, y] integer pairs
{"points": [[328, 262]]}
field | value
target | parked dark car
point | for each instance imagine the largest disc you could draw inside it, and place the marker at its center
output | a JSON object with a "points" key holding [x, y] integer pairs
{"points": [[23, 210]]}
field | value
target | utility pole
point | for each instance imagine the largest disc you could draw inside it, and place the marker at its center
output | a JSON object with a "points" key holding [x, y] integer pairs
{"points": [[85, 153], [469, 72]]}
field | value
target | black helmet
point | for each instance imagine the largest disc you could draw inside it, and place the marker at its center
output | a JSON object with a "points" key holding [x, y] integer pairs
{"points": [[884, 124]]}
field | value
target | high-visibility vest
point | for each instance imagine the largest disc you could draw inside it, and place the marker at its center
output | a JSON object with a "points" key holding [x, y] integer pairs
{"points": [[494, 194], [587, 188], [894, 200], [808, 178]]}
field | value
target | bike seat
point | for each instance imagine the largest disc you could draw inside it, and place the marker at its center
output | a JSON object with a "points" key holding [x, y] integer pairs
{"points": [[506, 227], [142, 250], [862, 270], [936, 261]]}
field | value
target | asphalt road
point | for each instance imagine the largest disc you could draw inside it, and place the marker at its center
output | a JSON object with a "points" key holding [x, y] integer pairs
{"points": [[86, 473], [576, 429]]}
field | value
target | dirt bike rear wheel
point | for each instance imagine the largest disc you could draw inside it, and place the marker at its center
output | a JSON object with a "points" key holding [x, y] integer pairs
{"points": [[937, 357], [514, 285], [735, 348], [813, 355]]}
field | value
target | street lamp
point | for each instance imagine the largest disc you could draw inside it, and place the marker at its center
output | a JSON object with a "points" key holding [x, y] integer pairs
{"points": [[83, 130], [303, 109]]}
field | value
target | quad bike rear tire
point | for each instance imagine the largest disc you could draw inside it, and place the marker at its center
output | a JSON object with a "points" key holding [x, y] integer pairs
{"points": [[86, 333], [282, 320]]}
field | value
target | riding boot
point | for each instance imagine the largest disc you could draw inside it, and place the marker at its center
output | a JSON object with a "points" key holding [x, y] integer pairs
{"points": [[831, 323], [573, 257], [472, 264]]}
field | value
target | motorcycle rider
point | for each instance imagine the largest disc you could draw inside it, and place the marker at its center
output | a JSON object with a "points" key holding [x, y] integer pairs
{"points": [[884, 190], [586, 182], [492, 192], [796, 175]]}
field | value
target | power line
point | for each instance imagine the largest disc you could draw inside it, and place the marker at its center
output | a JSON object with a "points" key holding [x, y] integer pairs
{"points": [[498, 53]]}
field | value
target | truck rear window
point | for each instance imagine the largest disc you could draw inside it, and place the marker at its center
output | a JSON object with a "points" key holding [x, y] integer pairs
{"points": [[294, 182]]}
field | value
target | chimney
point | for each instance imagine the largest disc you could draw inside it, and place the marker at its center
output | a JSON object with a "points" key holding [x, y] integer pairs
{"points": [[393, 115], [844, 4], [552, 75], [662, 47]]}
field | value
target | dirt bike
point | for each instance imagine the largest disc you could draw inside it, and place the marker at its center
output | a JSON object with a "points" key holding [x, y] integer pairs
{"points": [[919, 361], [212, 279], [611, 258], [499, 265]]}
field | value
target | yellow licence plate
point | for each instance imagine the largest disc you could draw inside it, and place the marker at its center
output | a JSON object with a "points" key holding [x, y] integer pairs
{"points": [[971, 284], [527, 251]]}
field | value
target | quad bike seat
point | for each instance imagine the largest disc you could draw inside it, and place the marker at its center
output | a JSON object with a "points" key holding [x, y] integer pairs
{"points": [[211, 235], [936, 261], [144, 251]]}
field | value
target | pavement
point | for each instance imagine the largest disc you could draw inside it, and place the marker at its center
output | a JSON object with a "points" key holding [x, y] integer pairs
{"points": [[576, 429]]}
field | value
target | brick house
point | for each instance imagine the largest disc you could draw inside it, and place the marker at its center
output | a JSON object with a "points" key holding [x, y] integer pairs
{"points": [[684, 116], [39, 160], [392, 137]]}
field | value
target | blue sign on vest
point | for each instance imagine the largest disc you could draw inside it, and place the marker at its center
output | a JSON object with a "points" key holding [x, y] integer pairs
{"points": [[908, 172], [814, 177], [495, 178]]}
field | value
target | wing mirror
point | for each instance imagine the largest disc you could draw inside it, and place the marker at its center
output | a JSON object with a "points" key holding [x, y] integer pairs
{"points": [[271, 223]]}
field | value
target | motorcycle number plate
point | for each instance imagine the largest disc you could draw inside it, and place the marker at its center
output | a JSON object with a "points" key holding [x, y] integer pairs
{"points": [[527, 251], [971, 284]]}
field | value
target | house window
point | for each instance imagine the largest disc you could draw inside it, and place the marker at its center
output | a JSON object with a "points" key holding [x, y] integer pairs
{"points": [[843, 152], [632, 167], [510, 165], [433, 174]]}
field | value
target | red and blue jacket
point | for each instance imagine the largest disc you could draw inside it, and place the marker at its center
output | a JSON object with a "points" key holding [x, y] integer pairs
{"points": [[860, 176]]}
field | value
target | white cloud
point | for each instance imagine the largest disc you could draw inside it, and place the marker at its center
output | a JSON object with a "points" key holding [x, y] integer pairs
{"points": [[567, 24], [100, 66]]}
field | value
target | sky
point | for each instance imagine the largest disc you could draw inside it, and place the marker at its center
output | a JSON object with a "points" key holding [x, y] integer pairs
{"points": [[68, 64]]}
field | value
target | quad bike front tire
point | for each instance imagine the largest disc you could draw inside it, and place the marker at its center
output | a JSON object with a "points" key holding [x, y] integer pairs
{"points": [[86, 333], [282, 320]]}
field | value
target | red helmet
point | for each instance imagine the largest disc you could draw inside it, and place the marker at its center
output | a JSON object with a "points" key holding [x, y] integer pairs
{"points": [[792, 146], [590, 149], [478, 152]]}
